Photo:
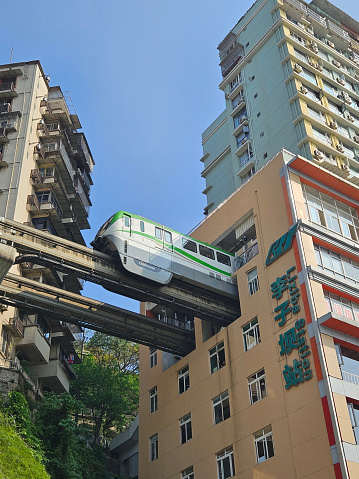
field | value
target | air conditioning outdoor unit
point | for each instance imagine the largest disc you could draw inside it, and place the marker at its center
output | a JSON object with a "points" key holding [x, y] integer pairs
{"points": [[319, 67], [333, 125], [356, 138], [297, 68], [303, 90], [351, 118], [318, 155], [340, 148], [243, 119], [341, 81], [336, 63], [344, 167], [331, 44]]}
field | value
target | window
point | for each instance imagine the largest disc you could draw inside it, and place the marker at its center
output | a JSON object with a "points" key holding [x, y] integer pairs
{"points": [[239, 118], [236, 101], [190, 245], [153, 399], [253, 283], [127, 220], [225, 464], [142, 226], [207, 252], [234, 83], [168, 237], [6, 342], [321, 136], [186, 428], [217, 357], [338, 265], [158, 232], [251, 334], [354, 419], [153, 447], [221, 410], [342, 306], [188, 473], [183, 379], [223, 258], [264, 444], [308, 76], [153, 357], [257, 386], [43, 223]]}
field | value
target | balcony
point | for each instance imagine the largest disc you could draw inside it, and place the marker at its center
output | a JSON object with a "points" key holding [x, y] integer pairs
{"points": [[246, 256], [53, 376], [7, 90], [5, 108], [34, 345], [243, 146], [42, 129], [44, 201], [15, 326], [341, 34], [35, 177], [3, 135]]}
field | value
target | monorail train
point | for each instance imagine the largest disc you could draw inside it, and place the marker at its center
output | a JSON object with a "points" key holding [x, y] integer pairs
{"points": [[152, 251]]}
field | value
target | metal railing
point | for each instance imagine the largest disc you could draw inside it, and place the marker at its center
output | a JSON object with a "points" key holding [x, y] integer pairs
{"points": [[5, 108], [298, 5], [176, 322], [339, 31], [316, 17], [350, 377], [83, 197], [7, 86], [241, 260]]}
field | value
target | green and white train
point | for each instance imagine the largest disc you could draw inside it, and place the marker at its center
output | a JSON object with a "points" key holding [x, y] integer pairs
{"points": [[157, 253]]}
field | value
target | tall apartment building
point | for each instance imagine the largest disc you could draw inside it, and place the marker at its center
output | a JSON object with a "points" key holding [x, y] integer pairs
{"points": [[274, 394], [45, 180], [290, 79]]}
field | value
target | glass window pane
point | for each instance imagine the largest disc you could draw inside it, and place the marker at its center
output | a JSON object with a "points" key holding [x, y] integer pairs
{"points": [[168, 237], [190, 245], [205, 251], [158, 233]]}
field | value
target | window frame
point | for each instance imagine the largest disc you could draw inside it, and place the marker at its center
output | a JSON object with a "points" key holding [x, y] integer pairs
{"points": [[153, 357], [218, 404], [253, 284], [263, 438], [183, 379], [186, 242], [188, 473], [255, 380], [186, 428], [153, 400], [221, 457], [215, 352], [153, 447], [253, 326]]}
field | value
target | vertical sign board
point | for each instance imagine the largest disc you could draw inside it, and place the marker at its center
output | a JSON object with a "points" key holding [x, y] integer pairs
{"points": [[293, 338]]}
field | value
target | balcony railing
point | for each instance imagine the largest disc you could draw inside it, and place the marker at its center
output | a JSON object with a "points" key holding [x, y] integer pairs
{"points": [[241, 260], [298, 6], [339, 31], [5, 108], [316, 17], [9, 86], [350, 377], [16, 327], [35, 176], [80, 191], [33, 201], [189, 325]]}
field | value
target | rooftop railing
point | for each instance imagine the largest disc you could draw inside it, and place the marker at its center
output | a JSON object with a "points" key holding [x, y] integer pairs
{"points": [[350, 377]]}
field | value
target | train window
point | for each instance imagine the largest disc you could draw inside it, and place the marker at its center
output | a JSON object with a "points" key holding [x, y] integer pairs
{"points": [[158, 233], [191, 245], [127, 220], [168, 237], [207, 252], [223, 258], [142, 226]]}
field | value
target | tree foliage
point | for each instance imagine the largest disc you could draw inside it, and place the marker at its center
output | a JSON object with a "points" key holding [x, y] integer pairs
{"points": [[109, 396]]}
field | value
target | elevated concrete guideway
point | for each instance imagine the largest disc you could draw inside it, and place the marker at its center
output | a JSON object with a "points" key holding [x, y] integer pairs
{"points": [[63, 305], [71, 258], [43, 248]]}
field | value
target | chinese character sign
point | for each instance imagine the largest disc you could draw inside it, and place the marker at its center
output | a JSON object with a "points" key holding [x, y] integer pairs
{"points": [[294, 338], [283, 244]]}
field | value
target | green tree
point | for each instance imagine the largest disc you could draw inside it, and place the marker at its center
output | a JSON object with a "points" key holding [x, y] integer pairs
{"points": [[109, 395], [116, 352]]}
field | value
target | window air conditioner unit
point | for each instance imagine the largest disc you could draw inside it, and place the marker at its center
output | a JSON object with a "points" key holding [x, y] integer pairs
{"points": [[340, 148], [303, 90], [297, 68], [333, 125], [356, 138]]}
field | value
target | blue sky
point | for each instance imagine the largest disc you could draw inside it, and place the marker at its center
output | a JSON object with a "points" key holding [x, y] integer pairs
{"points": [[143, 76]]}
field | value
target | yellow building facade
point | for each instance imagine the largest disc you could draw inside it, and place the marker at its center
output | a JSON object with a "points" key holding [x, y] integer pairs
{"points": [[274, 394]]}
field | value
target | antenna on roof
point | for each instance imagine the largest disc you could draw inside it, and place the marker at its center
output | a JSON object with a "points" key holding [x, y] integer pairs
{"points": [[12, 50]]}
